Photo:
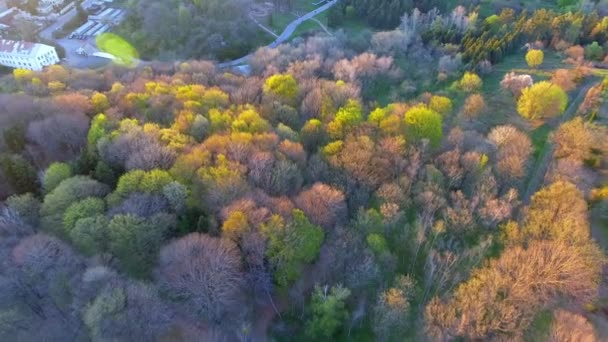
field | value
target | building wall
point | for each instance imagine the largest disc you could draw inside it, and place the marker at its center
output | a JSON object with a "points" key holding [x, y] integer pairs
{"points": [[44, 57]]}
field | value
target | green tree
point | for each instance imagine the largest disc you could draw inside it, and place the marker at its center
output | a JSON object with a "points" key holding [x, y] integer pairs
{"points": [[18, 173], [542, 100], [594, 52], [291, 244], [55, 174], [98, 129], [152, 181], [26, 206], [90, 235], [328, 311], [88, 207], [14, 138], [424, 123], [64, 195], [135, 241]]}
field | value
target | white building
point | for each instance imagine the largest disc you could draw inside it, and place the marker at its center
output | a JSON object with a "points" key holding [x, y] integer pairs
{"points": [[25, 55], [47, 6]]}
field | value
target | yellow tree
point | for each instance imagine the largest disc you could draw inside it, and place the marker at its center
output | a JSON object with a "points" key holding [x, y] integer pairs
{"points": [[542, 100], [470, 82], [535, 58], [283, 85]]}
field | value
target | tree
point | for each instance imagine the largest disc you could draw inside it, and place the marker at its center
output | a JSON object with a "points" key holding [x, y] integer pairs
{"points": [[90, 235], [424, 123], [565, 79], [441, 105], [346, 117], [542, 100], [290, 245], [534, 58], [473, 106], [19, 173], [323, 204], [516, 83], [135, 241], [55, 174], [312, 134], [203, 272], [570, 327], [328, 311], [26, 206], [502, 298], [58, 137], [283, 85], [392, 310], [64, 195], [558, 212], [151, 182], [126, 311], [235, 226], [573, 139], [594, 52], [514, 150], [88, 207], [99, 102], [470, 82]]}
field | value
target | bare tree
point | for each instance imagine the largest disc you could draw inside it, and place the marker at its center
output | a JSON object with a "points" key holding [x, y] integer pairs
{"points": [[205, 273], [323, 204]]}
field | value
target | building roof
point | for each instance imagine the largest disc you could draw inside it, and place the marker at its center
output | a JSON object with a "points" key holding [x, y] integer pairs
{"points": [[21, 48]]}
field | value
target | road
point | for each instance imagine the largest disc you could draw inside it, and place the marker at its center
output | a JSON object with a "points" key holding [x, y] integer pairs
{"points": [[71, 45], [283, 37]]}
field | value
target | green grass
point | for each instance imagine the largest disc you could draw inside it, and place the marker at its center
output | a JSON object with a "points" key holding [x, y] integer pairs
{"points": [[540, 138]]}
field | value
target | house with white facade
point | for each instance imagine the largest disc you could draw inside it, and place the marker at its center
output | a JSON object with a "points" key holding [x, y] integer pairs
{"points": [[26, 55]]}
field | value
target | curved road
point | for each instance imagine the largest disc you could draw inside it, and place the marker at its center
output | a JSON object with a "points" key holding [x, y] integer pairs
{"points": [[289, 30]]}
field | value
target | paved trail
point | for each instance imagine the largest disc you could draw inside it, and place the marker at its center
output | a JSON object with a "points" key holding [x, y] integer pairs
{"points": [[289, 30]]}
